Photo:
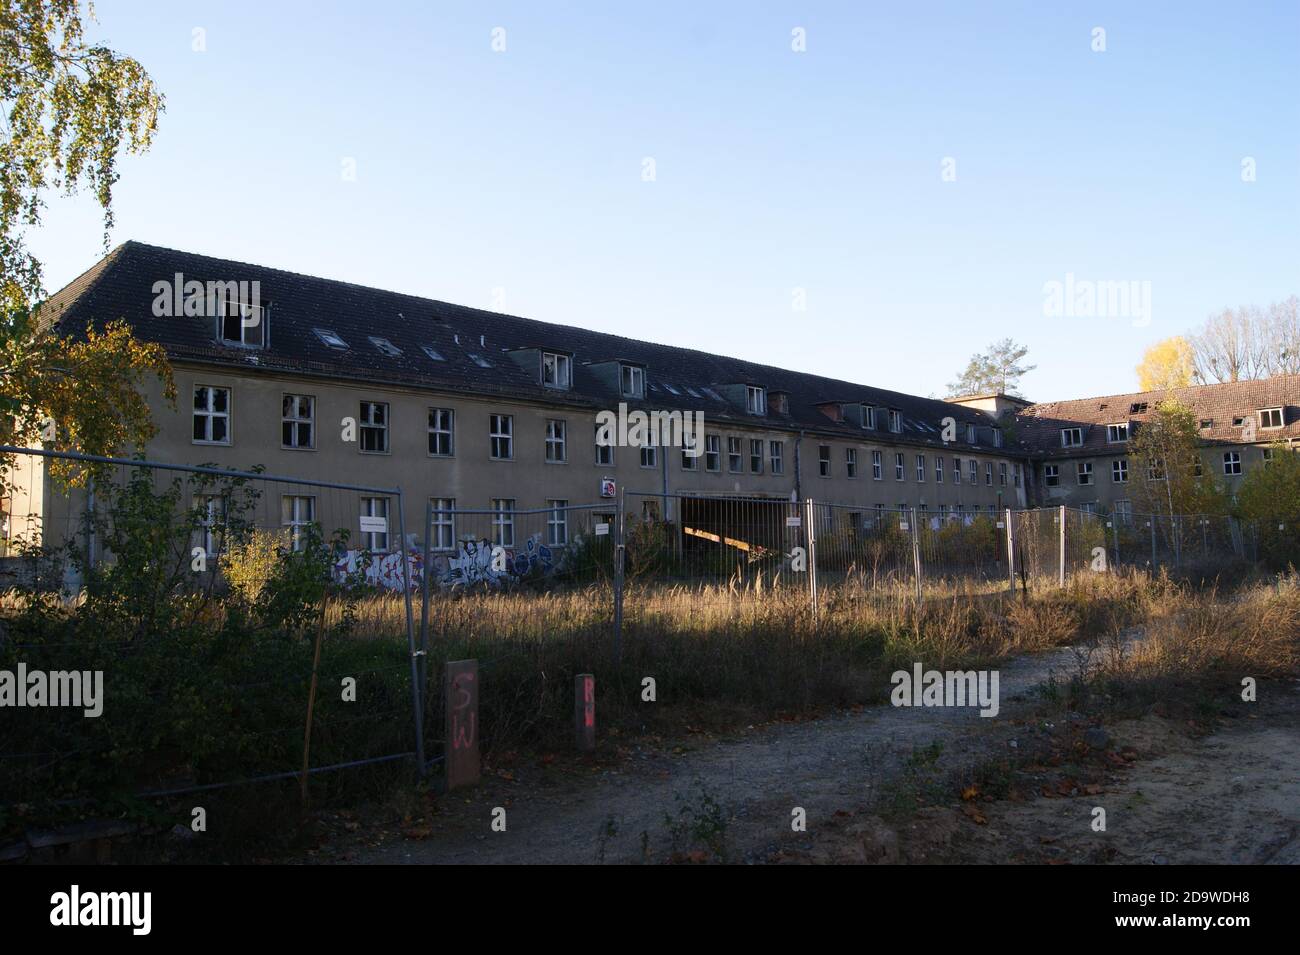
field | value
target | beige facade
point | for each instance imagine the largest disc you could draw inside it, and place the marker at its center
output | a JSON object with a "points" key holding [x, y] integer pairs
{"points": [[784, 463]]}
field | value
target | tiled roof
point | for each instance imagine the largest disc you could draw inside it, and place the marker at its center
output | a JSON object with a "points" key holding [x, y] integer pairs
{"points": [[1039, 426], [121, 286]]}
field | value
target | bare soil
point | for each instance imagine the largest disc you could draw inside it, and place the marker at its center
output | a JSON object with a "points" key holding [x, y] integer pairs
{"points": [[882, 785]]}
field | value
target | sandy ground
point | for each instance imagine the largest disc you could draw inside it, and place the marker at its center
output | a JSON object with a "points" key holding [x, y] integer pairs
{"points": [[1176, 795]]}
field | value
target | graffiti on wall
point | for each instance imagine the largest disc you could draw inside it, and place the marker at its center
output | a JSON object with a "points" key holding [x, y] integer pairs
{"points": [[471, 563], [385, 570]]}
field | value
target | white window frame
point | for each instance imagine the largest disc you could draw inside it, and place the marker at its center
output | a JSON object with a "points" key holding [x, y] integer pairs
{"points": [[1083, 473], [755, 455], [604, 452], [210, 415], [371, 507], [1113, 433], [503, 521], [851, 463], [776, 456], [877, 466], [501, 433], [295, 420], [557, 445], [895, 421], [212, 523], [293, 520], [441, 423], [900, 466], [756, 399], [920, 469], [1119, 471], [713, 450], [366, 423], [1051, 475], [557, 523], [824, 460], [1231, 463], [735, 457], [1066, 437], [631, 381], [1270, 412], [561, 369], [649, 456], [443, 523]]}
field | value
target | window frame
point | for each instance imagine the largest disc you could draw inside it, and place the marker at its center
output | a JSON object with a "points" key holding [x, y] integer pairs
{"points": [[434, 429], [295, 421], [556, 444], [210, 414], [496, 434]]}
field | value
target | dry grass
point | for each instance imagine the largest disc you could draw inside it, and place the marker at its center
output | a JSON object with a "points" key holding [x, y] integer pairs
{"points": [[722, 654]]}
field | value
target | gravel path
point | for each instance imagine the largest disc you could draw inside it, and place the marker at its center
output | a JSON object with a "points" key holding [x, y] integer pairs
{"points": [[758, 775]]}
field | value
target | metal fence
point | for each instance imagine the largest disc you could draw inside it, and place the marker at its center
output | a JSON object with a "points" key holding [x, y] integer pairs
{"points": [[124, 574], [193, 532]]}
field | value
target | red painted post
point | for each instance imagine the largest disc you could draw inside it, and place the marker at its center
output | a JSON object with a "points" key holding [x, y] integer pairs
{"points": [[584, 710], [461, 746]]}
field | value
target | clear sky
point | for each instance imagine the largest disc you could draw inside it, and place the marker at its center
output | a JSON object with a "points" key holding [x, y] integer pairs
{"points": [[516, 179]]}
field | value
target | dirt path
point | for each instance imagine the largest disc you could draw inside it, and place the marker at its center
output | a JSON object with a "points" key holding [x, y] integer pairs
{"points": [[758, 776]]}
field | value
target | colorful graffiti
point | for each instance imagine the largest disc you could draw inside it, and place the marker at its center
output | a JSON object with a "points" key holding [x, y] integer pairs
{"points": [[385, 570], [472, 563]]}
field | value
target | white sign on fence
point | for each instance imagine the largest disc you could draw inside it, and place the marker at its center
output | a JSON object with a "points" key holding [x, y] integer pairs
{"points": [[793, 521], [602, 530], [374, 525]]}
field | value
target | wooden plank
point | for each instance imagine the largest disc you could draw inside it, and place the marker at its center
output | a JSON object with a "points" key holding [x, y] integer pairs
{"points": [[461, 747], [584, 710]]}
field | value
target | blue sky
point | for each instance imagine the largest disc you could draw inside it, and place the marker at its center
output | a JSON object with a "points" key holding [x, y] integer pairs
{"points": [[514, 179]]}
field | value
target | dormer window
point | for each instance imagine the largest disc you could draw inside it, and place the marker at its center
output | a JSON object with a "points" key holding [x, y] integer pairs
{"points": [[869, 417], [997, 439], [895, 421], [632, 381], [970, 434], [1117, 433], [331, 339], [1138, 407], [557, 370], [755, 399], [385, 347], [1270, 418], [241, 325], [1071, 437]]}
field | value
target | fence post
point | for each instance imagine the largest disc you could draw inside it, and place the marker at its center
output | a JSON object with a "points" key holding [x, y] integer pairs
{"points": [[812, 554], [584, 711], [1060, 580], [1152, 524], [916, 553], [1011, 555], [618, 577], [1114, 534], [424, 606], [410, 634]]}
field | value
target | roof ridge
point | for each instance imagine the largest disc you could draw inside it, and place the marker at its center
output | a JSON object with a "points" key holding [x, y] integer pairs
{"points": [[830, 384]]}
